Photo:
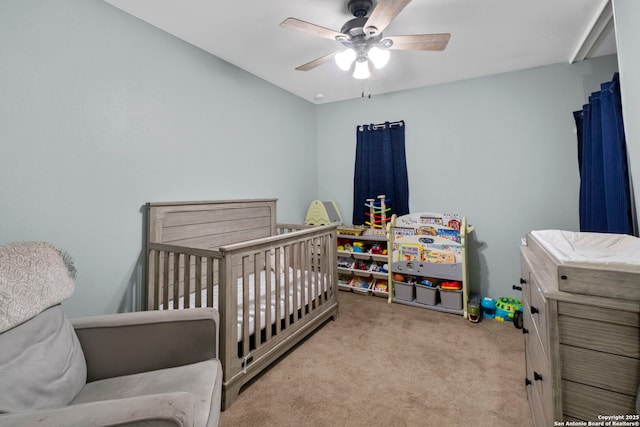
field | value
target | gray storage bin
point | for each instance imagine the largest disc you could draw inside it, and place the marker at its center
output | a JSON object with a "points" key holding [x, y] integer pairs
{"points": [[404, 291], [451, 299], [426, 294]]}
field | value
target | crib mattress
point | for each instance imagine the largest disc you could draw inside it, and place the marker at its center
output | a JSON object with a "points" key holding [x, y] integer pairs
{"points": [[597, 264], [301, 293]]}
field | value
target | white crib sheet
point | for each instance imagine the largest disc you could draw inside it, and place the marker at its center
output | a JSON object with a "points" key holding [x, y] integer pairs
{"points": [[594, 250], [302, 285]]}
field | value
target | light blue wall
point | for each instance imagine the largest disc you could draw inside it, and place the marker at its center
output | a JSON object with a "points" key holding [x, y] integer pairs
{"points": [[500, 150], [101, 113]]}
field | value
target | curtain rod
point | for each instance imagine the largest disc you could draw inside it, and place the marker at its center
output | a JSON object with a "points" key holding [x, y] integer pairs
{"points": [[382, 125]]}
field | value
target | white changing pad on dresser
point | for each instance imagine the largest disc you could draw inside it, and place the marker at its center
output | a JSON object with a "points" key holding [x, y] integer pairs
{"points": [[597, 250], [598, 264]]}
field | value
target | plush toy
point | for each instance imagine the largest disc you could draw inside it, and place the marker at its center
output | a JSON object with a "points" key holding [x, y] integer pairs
{"points": [[358, 247], [376, 249]]}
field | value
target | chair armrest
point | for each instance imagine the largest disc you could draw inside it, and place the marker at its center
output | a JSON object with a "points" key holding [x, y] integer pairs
{"points": [[167, 409], [129, 343]]}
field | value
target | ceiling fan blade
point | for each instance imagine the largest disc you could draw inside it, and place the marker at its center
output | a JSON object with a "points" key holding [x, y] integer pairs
{"points": [[316, 62], [420, 42], [307, 27], [383, 14]]}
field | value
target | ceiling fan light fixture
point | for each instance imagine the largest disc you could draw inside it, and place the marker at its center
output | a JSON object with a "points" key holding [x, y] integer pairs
{"points": [[362, 37], [361, 70], [379, 57], [345, 58]]}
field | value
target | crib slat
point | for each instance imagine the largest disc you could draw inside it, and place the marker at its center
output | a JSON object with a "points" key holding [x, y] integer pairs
{"points": [[322, 271], [176, 280], [313, 273], [303, 278], [309, 275], [287, 286], [165, 281], [318, 269], [186, 258], [312, 295], [300, 286], [257, 296], [267, 294], [198, 281], [245, 307], [300, 277], [326, 267], [278, 268], [156, 280], [295, 285], [210, 261]]}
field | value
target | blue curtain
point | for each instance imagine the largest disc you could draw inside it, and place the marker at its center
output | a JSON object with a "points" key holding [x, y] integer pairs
{"points": [[380, 168], [605, 196]]}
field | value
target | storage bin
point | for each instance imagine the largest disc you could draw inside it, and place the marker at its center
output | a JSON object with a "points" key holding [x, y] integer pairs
{"points": [[344, 282], [404, 291], [451, 299], [380, 288], [426, 294], [361, 286]]}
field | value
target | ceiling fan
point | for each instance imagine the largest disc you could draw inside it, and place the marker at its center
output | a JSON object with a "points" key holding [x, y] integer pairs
{"points": [[363, 39]]}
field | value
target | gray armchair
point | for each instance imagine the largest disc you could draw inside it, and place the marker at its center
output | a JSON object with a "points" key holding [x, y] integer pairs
{"points": [[155, 368]]}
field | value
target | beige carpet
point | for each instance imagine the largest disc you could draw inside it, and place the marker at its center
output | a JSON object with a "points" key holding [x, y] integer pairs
{"points": [[392, 365]]}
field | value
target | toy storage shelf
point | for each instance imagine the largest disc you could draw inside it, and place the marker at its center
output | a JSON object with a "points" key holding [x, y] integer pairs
{"points": [[428, 252], [351, 274]]}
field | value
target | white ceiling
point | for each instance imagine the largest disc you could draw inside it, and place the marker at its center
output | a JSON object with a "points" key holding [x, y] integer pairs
{"points": [[487, 37]]}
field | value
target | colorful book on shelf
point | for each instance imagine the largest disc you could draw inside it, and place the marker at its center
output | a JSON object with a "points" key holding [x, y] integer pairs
{"points": [[452, 221], [431, 219], [454, 248], [409, 252], [449, 234], [439, 257], [404, 231]]}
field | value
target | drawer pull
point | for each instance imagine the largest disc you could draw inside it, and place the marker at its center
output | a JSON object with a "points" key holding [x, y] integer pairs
{"points": [[527, 381], [517, 288], [534, 310], [525, 331], [522, 281], [537, 376]]}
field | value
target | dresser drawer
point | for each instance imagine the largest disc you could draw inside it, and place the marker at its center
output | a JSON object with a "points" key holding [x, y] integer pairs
{"points": [[586, 403], [603, 370], [540, 417], [600, 336], [536, 308], [607, 315], [539, 388]]}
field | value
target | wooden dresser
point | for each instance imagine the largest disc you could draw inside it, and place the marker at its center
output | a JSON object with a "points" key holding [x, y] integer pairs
{"points": [[581, 326]]}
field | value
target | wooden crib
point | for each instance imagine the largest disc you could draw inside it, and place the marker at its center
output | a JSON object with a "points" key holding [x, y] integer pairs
{"points": [[273, 284]]}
